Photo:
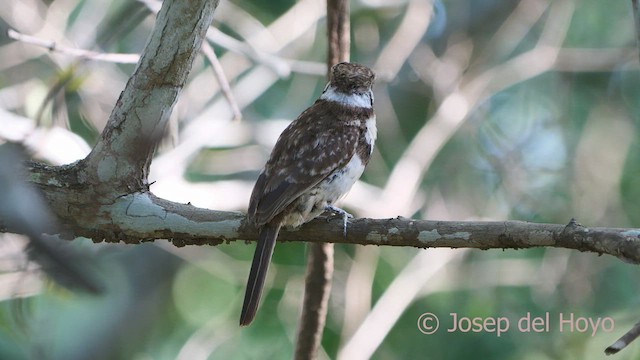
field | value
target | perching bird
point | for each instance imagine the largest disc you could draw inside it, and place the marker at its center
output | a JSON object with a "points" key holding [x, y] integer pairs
{"points": [[315, 161]]}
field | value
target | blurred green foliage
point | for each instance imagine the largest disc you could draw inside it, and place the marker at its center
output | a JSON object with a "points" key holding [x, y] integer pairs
{"points": [[546, 148]]}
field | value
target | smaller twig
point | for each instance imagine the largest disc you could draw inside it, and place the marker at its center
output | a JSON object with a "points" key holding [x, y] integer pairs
{"points": [[625, 340], [320, 257], [636, 20], [317, 287], [84, 54], [281, 66], [405, 39], [634, 332], [132, 59], [218, 72]]}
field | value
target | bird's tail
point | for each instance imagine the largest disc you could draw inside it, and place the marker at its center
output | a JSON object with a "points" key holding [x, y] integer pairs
{"points": [[259, 267]]}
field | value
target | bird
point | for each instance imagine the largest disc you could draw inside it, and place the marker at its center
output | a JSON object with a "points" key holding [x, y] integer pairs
{"points": [[315, 162]]}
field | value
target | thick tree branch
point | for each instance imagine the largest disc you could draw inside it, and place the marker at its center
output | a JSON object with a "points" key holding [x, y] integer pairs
{"points": [[123, 153], [141, 216], [87, 193]]}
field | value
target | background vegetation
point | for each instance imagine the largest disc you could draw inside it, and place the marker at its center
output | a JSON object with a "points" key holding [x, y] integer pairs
{"points": [[486, 109]]}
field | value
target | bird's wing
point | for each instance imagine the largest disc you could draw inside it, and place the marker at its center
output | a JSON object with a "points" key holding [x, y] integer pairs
{"points": [[308, 150]]}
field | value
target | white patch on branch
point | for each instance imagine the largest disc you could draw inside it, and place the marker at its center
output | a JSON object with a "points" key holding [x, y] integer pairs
{"points": [[107, 168], [458, 235], [141, 205], [139, 213], [375, 236], [429, 236], [632, 233]]}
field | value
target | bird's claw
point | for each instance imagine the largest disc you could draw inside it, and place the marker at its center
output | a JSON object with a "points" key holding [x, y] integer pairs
{"points": [[339, 212]]}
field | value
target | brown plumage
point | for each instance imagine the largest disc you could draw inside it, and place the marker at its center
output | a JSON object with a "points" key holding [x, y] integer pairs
{"points": [[315, 161]]}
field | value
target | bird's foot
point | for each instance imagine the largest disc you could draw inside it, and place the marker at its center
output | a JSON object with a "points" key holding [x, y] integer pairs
{"points": [[339, 212]]}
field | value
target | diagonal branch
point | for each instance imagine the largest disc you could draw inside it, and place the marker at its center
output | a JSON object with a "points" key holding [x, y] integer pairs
{"points": [[123, 153], [119, 162]]}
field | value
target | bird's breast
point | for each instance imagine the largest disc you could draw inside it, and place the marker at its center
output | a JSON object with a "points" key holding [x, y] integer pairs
{"points": [[340, 181], [312, 203]]}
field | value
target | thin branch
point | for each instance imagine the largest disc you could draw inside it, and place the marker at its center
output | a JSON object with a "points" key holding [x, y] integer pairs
{"points": [[252, 84], [634, 332], [132, 59], [317, 288], [83, 54], [338, 31], [320, 256], [636, 20], [625, 340], [282, 66], [411, 30], [218, 72]]}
